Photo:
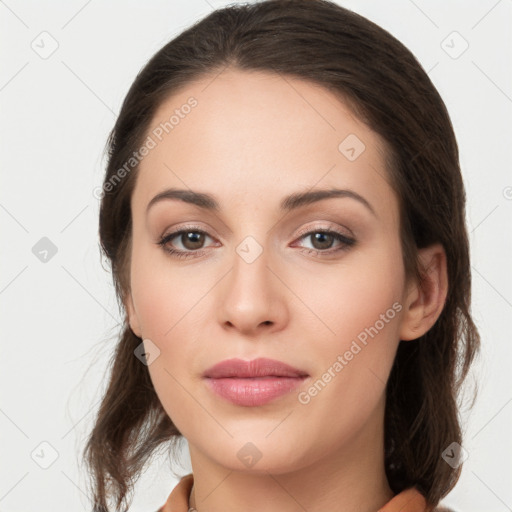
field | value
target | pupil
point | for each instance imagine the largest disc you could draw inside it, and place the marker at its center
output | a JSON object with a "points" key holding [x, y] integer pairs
{"points": [[322, 237], [194, 239]]}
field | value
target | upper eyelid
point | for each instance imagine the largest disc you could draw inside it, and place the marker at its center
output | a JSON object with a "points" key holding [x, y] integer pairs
{"points": [[329, 227]]}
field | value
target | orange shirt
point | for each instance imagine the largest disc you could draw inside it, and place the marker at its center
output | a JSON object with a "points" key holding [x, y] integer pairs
{"points": [[410, 500]]}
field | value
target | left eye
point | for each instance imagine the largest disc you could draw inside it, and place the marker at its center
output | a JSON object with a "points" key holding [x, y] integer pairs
{"points": [[323, 239]]}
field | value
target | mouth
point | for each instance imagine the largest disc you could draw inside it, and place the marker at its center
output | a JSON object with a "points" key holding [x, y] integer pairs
{"points": [[253, 383]]}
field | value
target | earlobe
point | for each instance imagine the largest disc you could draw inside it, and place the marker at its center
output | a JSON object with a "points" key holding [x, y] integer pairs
{"points": [[425, 301], [132, 316]]}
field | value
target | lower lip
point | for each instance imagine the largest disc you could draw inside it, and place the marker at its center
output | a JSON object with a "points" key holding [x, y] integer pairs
{"points": [[251, 392]]}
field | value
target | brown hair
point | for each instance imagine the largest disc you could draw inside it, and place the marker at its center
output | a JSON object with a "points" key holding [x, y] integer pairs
{"points": [[387, 88]]}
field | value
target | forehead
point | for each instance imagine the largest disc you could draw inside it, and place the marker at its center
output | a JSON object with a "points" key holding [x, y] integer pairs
{"points": [[252, 134]]}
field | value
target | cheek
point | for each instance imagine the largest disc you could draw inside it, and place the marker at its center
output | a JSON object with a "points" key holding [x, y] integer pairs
{"points": [[168, 304], [363, 292], [353, 363], [161, 294], [354, 332]]}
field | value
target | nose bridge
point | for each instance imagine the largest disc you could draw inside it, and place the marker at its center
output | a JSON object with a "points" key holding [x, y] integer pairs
{"points": [[250, 296], [250, 275]]}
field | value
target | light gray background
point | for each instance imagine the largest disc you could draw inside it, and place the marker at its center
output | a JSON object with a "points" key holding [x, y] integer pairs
{"points": [[60, 317]]}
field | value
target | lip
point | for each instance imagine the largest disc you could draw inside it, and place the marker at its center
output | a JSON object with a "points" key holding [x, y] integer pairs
{"points": [[253, 383], [261, 367]]}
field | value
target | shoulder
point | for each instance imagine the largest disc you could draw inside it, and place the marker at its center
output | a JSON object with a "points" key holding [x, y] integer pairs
{"points": [[443, 509]]}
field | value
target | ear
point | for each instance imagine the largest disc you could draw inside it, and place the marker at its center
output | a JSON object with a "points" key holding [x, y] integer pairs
{"points": [[424, 301], [132, 316]]}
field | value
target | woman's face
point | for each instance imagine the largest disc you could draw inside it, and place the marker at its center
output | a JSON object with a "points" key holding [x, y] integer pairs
{"points": [[263, 281]]}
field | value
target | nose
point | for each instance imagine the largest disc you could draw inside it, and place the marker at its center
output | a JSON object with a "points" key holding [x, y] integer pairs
{"points": [[252, 298]]}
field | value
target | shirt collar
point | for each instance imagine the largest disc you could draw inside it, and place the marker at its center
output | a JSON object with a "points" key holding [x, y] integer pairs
{"points": [[409, 500]]}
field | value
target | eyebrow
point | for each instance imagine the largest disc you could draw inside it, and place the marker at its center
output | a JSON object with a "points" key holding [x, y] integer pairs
{"points": [[291, 202]]}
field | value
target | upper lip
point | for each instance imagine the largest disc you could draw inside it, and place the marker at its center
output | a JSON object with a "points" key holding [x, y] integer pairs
{"points": [[261, 367]]}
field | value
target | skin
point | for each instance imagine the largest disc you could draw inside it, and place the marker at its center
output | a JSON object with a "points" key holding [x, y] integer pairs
{"points": [[253, 139]]}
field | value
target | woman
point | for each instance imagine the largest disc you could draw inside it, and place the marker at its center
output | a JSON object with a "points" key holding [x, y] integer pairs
{"points": [[283, 210]]}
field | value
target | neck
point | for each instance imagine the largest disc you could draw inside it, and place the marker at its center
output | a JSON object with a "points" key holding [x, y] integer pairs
{"points": [[349, 479]]}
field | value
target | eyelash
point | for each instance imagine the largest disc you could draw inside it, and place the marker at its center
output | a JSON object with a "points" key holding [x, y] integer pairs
{"points": [[346, 242]]}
